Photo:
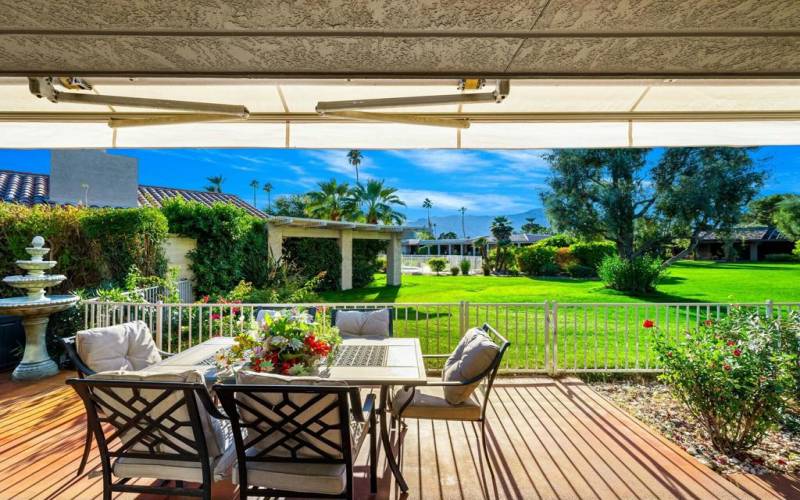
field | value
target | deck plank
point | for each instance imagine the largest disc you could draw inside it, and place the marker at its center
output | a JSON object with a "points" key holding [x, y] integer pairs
{"points": [[547, 439]]}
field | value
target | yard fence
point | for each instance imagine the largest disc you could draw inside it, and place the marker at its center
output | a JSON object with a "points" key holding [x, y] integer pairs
{"points": [[546, 337], [157, 293]]}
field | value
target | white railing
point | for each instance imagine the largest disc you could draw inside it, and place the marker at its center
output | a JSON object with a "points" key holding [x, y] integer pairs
{"points": [[546, 337], [421, 261], [157, 293]]}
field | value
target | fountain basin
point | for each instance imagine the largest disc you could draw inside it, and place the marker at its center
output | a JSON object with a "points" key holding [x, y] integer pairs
{"points": [[36, 267]]}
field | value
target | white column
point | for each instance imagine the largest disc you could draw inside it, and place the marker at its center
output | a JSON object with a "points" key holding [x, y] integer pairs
{"points": [[393, 261], [275, 241], [346, 248]]}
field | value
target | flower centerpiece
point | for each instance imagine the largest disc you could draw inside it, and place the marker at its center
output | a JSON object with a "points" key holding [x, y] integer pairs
{"points": [[288, 342]]}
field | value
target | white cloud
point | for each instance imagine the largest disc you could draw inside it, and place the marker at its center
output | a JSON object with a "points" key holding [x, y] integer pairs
{"points": [[443, 160], [528, 161], [476, 203], [336, 161]]}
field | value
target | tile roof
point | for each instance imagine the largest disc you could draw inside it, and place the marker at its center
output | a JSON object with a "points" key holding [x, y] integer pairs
{"points": [[749, 233], [24, 187], [32, 189]]}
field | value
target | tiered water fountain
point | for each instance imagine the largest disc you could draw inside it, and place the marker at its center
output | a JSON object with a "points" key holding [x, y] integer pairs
{"points": [[35, 310]]}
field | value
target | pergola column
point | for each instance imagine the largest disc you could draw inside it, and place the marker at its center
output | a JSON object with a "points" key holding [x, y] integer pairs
{"points": [[346, 247], [393, 261], [275, 242]]}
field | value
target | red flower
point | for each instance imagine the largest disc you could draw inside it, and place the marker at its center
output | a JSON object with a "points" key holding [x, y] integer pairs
{"points": [[709, 322], [648, 323], [669, 354], [731, 343], [726, 367], [205, 299], [216, 316], [737, 352]]}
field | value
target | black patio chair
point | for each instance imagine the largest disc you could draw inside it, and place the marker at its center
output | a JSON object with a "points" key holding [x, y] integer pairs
{"points": [[428, 402], [299, 440], [84, 371], [157, 430]]}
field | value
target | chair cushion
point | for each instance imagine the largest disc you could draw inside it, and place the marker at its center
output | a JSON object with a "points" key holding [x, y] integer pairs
{"points": [[429, 402], [128, 346], [473, 356], [330, 417], [217, 433], [363, 323], [176, 470], [330, 479]]}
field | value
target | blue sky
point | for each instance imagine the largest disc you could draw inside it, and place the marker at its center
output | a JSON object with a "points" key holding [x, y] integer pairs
{"points": [[486, 182]]}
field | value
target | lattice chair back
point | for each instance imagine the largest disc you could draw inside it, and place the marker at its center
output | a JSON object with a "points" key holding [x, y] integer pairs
{"points": [[294, 423], [156, 420], [487, 378]]}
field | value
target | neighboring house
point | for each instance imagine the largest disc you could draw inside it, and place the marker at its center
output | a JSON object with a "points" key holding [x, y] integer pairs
{"points": [[747, 243], [96, 179], [463, 246]]}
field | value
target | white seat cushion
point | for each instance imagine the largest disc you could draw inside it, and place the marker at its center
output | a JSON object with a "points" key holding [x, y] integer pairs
{"points": [[473, 355], [128, 346], [429, 403], [330, 479], [363, 323]]}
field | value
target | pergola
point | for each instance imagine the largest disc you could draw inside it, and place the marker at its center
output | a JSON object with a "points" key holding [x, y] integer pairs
{"points": [[582, 74], [279, 228]]}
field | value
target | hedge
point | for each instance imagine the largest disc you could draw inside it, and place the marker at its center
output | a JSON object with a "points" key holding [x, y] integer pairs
{"points": [[310, 256]]}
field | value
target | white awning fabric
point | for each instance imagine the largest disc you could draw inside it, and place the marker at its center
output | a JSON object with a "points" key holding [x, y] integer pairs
{"points": [[536, 114]]}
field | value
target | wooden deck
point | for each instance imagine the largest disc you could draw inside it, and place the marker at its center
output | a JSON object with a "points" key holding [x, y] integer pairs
{"points": [[548, 439]]}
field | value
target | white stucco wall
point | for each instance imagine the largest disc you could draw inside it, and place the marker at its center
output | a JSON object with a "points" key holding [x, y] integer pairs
{"points": [[176, 248]]}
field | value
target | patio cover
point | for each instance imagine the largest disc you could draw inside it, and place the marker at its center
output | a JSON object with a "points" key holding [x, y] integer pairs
{"points": [[592, 73]]}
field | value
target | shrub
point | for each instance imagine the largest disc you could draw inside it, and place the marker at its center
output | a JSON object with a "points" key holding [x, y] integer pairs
{"points": [[550, 269], [780, 257], [310, 256], [382, 262], [592, 253], [564, 258], [365, 260], [454, 270], [532, 259], [580, 271], [465, 267], [558, 241], [733, 376], [437, 264], [639, 275], [796, 251]]}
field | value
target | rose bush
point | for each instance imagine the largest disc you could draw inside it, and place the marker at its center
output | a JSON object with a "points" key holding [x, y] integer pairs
{"points": [[735, 375]]}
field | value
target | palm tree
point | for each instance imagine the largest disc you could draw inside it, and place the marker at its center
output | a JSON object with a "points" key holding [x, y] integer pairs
{"points": [[501, 230], [378, 201], [268, 189], [333, 201], [428, 204], [254, 184], [463, 230], [354, 156], [216, 183]]}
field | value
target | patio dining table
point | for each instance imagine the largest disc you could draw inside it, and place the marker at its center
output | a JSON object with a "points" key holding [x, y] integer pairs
{"points": [[379, 363]]}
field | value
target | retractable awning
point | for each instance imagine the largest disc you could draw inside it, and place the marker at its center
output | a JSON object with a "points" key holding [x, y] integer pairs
{"points": [[546, 113]]}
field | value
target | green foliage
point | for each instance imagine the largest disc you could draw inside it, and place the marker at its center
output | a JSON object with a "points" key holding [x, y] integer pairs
{"points": [[564, 258], [465, 266], [381, 263], [591, 253], [638, 275], [532, 227], [501, 230], [437, 264], [733, 376], [796, 251], [365, 260], [762, 210], [787, 217], [333, 201], [449, 235], [231, 244], [454, 270], [293, 205], [290, 289], [533, 259], [378, 202], [780, 257], [558, 240], [576, 270], [310, 256], [93, 247]]}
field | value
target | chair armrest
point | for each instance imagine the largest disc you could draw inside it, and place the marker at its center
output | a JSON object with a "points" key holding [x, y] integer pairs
{"points": [[165, 354], [435, 356]]}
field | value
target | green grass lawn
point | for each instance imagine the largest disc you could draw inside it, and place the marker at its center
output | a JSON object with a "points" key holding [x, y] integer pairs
{"points": [[588, 336], [686, 282]]}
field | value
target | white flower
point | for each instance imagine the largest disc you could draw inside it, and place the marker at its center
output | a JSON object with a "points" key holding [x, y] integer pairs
{"points": [[277, 341]]}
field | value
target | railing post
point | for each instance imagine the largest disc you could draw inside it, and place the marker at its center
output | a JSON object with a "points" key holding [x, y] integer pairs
{"points": [[554, 340], [547, 336], [463, 317], [769, 309], [159, 324]]}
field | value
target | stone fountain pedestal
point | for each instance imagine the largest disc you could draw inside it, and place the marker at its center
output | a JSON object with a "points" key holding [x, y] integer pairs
{"points": [[35, 310]]}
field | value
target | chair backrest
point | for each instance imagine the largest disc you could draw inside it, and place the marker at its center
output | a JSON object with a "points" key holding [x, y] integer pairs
{"points": [[334, 313], [77, 362], [147, 420], [488, 376], [290, 423]]}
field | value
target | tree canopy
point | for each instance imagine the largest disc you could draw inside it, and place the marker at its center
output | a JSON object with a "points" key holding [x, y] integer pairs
{"points": [[787, 217]]}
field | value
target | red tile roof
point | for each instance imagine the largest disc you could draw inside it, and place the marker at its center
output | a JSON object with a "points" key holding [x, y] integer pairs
{"points": [[32, 189]]}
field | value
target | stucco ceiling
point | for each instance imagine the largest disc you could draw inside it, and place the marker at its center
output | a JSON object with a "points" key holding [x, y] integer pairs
{"points": [[411, 38]]}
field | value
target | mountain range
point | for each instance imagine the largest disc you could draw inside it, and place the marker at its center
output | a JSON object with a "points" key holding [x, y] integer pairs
{"points": [[478, 225]]}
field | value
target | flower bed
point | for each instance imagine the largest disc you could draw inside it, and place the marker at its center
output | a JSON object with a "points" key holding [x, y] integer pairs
{"points": [[653, 404]]}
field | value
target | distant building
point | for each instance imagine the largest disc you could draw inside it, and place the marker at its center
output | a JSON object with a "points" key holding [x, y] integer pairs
{"points": [[747, 243], [462, 246], [97, 179]]}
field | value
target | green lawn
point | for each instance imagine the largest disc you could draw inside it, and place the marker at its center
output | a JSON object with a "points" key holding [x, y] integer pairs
{"points": [[686, 282], [588, 336]]}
